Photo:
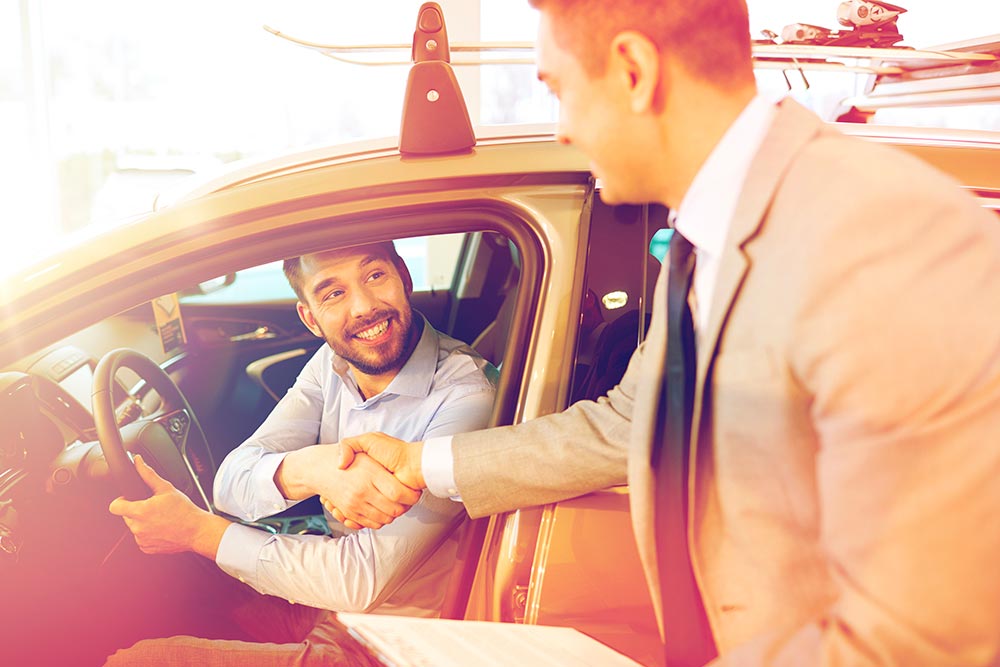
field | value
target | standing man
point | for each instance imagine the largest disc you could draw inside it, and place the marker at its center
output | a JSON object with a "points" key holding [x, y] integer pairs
{"points": [[811, 430], [383, 367]]}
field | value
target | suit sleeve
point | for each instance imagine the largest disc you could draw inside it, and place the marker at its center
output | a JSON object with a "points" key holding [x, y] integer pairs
{"points": [[545, 460], [900, 349]]}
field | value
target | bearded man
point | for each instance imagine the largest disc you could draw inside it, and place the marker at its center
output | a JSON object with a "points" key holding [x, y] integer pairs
{"points": [[383, 368]]}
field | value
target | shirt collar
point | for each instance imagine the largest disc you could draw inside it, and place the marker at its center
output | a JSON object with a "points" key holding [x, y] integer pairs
{"points": [[413, 379], [417, 374], [706, 211]]}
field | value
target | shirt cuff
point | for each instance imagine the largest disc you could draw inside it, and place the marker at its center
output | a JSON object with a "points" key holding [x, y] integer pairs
{"points": [[438, 468], [239, 552], [270, 499]]}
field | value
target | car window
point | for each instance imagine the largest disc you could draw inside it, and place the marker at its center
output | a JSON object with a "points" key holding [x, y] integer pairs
{"points": [[660, 243], [431, 260], [625, 249]]}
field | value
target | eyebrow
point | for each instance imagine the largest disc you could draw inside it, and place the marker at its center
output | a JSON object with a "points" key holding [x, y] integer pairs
{"points": [[326, 282], [322, 285]]}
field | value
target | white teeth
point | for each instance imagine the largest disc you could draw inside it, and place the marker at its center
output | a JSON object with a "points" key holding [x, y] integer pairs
{"points": [[374, 332]]}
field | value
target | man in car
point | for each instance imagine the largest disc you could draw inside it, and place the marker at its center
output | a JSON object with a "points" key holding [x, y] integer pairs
{"points": [[383, 367], [818, 484]]}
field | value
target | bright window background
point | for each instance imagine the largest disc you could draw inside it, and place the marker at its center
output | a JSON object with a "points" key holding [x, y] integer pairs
{"points": [[926, 24], [104, 104], [431, 261]]}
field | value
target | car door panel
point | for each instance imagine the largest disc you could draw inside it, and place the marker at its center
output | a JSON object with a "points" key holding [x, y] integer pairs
{"points": [[555, 565], [578, 580], [223, 341]]}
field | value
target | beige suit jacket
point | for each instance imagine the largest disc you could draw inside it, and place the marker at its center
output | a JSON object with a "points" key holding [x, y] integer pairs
{"points": [[845, 486]]}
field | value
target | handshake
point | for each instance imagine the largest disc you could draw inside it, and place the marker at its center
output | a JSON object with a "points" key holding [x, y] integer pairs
{"points": [[366, 482]]}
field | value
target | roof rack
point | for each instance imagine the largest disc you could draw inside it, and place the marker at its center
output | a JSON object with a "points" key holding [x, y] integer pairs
{"points": [[873, 60], [381, 55], [970, 76], [967, 72]]}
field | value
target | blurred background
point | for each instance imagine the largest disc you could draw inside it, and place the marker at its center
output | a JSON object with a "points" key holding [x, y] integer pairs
{"points": [[104, 104]]}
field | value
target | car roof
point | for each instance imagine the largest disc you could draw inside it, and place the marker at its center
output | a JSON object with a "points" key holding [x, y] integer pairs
{"points": [[271, 188], [361, 170], [257, 169]]}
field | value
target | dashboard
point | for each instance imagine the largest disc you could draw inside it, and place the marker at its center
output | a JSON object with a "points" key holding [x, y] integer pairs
{"points": [[47, 407], [48, 443], [39, 418], [62, 554]]}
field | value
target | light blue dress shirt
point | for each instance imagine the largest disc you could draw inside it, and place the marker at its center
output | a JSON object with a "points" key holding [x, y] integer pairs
{"points": [[444, 388]]}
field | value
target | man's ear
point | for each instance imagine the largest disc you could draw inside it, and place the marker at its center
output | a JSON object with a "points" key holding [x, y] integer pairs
{"points": [[404, 275], [307, 319], [636, 60]]}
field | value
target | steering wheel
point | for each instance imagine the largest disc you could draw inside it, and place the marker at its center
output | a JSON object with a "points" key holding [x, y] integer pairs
{"points": [[162, 438]]}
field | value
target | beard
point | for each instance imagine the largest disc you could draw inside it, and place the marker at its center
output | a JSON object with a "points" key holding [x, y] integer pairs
{"points": [[389, 355]]}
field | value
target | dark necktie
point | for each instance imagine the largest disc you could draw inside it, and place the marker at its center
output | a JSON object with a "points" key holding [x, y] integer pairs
{"points": [[688, 639]]}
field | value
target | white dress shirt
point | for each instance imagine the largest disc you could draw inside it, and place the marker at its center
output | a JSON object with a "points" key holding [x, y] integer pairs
{"points": [[703, 217], [707, 210], [444, 388]]}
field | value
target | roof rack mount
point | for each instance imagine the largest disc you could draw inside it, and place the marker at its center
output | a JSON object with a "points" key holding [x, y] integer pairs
{"points": [[435, 116]]}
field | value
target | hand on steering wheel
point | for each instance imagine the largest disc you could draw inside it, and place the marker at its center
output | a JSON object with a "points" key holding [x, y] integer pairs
{"points": [[162, 438]]}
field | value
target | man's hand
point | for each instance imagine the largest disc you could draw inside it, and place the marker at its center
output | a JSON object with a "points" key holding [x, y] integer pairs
{"points": [[365, 495], [390, 456], [168, 522], [397, 456]]}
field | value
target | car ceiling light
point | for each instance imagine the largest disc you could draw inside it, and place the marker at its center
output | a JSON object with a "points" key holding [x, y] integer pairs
{"points": [[615, 300]]}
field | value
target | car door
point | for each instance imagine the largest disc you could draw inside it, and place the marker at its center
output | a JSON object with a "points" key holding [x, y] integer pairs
{"points": [[574, 563]]}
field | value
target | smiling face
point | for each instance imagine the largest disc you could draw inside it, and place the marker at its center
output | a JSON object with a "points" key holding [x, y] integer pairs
{"points": [[646, 87], [358, 300], [597, 113]]}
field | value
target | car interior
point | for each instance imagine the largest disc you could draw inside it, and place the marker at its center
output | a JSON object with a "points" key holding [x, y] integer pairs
{"points": [[64, 455], [73, 412]]}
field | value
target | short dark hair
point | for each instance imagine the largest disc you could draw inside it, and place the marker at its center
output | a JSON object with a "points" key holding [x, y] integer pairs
{"points": [[293, 268], [710, 37]]}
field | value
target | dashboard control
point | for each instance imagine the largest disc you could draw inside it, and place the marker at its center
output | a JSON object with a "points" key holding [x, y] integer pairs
{"points": [[177, 425], [129, 411], [72, 360], [62, 476]]}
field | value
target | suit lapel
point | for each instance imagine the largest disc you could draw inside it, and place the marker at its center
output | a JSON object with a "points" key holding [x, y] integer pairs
{"points": [[793, 126]]}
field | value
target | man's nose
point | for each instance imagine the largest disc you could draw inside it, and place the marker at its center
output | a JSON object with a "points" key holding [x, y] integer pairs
{"points": [[363, 302]]}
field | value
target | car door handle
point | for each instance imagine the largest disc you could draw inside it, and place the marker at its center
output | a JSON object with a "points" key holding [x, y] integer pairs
{"points": [[260, 333]]}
